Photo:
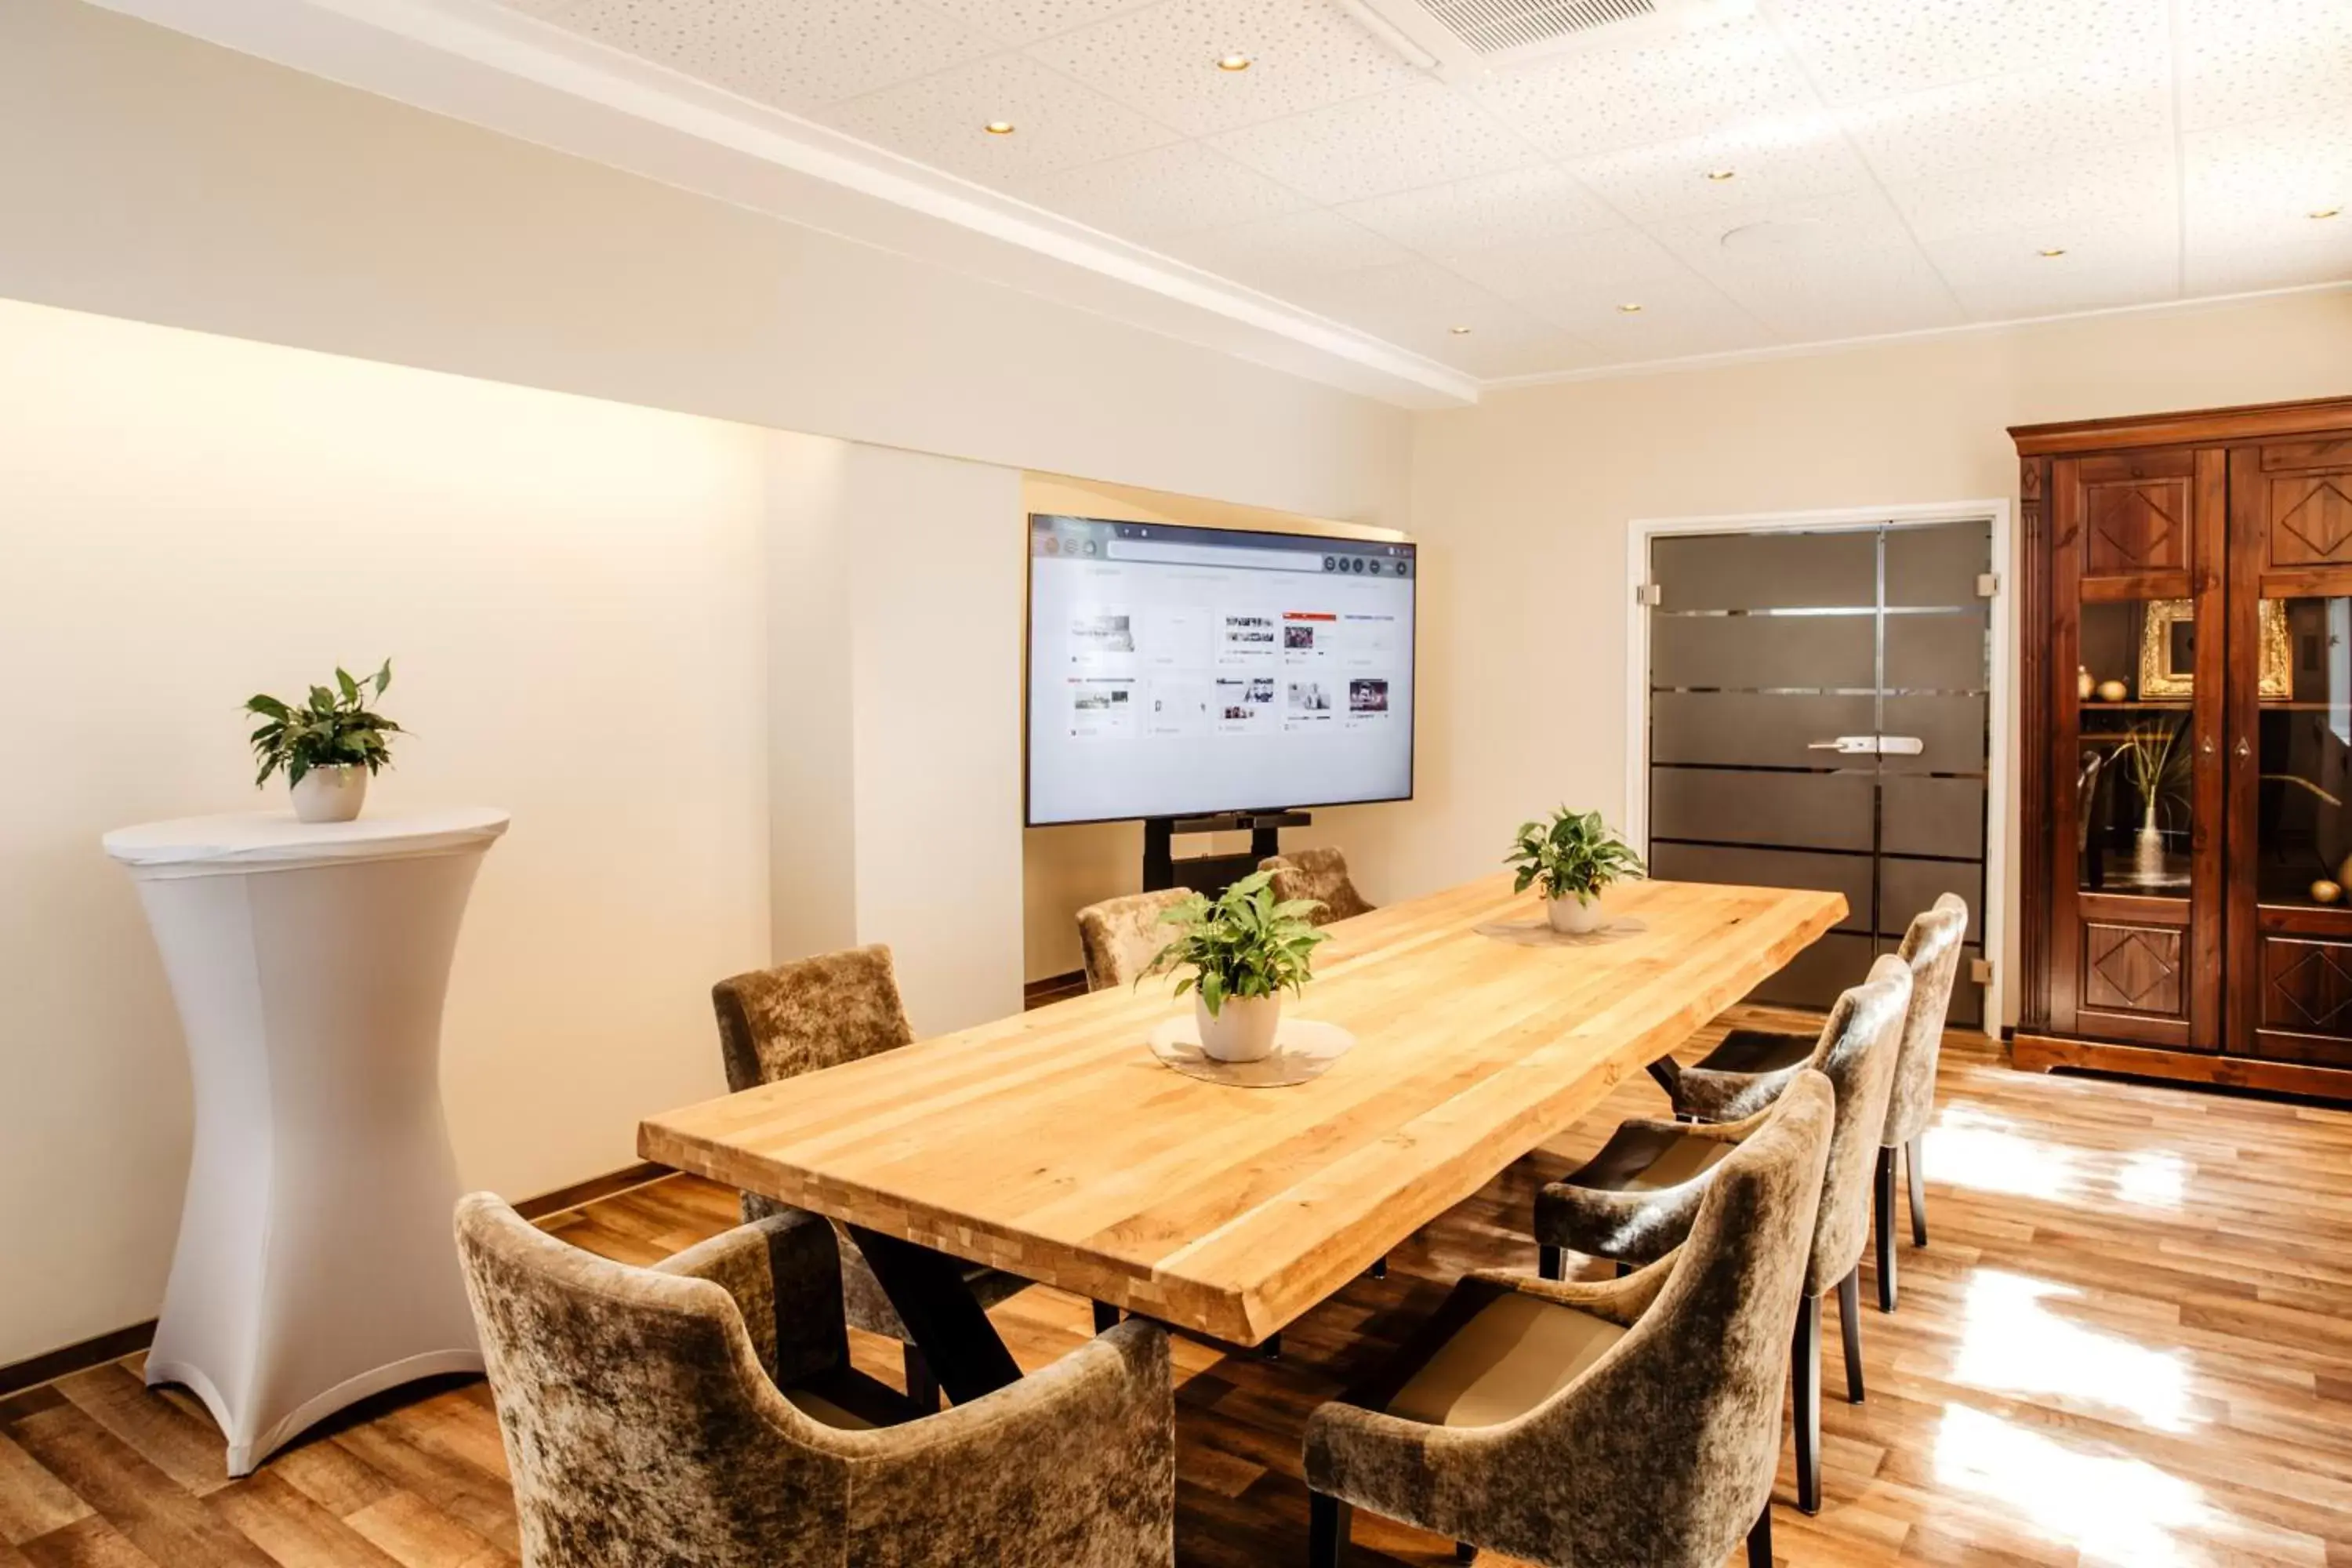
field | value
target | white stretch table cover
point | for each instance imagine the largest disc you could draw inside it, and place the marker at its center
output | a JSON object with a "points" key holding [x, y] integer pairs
{"points": [[316, 1264]]}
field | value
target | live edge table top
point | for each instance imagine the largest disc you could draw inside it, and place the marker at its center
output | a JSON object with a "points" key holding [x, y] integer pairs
{"points": [[1052, 1145]]}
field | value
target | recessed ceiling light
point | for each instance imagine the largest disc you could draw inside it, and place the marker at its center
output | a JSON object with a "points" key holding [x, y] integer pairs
{"points": [[1459, 332], [1236, 62], [1720, 175], [1630, 308], [999, 127], [2327, 212], [2051, 253]]}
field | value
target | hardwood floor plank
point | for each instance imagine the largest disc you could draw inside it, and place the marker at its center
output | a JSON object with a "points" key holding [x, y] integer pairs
{"points": [[415, 1534], [294, 1530], [32, 1501], [90, 1542], [160, 1519]]}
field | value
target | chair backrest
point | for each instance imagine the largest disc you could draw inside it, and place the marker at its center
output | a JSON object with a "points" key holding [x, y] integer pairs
{"points": [[640, 1426], [1670, 1443], [1857, 1053], [779, 1023], [1121, 936], [1932, 948], [1320, 875]]}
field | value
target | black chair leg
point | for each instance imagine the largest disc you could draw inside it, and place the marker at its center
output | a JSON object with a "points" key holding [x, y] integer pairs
{"points": [[1759, 1540], [1106, 1318], [1850, 1328], [1465, 1553], [1918, 1191], [1381, 1266], [1327, 1530], [1805, 1382], [923, 1388], [1550, 1264], [1883, 1194], [1272, 1348]]}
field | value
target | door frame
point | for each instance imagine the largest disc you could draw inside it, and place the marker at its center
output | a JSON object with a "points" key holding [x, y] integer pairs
{"points": [[2000, 786]]}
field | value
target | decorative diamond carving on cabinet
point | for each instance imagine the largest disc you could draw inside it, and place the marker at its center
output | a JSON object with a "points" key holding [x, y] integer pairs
{"points": [[2137, 525], [2131, 969], [2307, 987], [2311, 520]]}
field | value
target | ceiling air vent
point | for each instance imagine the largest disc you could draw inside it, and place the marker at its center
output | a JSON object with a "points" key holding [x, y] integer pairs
{"points": [[1466, 37]]}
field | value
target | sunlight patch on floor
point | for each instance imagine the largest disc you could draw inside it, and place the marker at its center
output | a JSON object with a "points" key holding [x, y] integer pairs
{"points": [[2115, 1509], [1971, 1148], [2011, 1342]]}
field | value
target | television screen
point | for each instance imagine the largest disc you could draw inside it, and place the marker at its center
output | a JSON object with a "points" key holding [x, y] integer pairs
{"points": [[1187, 671]]}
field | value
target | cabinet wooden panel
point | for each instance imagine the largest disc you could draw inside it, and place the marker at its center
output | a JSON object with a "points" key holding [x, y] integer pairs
{"points": [[2131, 969], [2186, 758]]}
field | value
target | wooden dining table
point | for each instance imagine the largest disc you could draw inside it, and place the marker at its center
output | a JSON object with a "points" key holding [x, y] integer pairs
{"points": [[1055, 1146]]}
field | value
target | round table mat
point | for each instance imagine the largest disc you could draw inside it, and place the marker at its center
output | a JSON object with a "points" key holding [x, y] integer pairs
{"points": [[1538, 932], [1303, 1050]]}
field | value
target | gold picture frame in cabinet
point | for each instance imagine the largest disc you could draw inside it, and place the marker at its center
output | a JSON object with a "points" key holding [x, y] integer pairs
{"points": [[2167, 669]]}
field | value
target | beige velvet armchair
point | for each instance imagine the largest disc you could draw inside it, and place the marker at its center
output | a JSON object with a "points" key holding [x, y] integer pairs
{"points": [[701, 1414], [1320, 875], [1600, 1425], [1121, 936], [814, 1013], [1744, 1071], [1637, 1198]]}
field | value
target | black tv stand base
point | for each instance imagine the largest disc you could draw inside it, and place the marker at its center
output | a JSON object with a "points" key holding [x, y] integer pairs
{"points": [[1212, 874]]}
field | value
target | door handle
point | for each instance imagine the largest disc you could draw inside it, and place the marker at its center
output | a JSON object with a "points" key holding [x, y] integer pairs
{"points": [[2242, 752], [1870, 745]]}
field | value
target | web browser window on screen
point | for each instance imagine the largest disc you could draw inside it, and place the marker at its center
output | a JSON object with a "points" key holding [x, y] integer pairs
{"points": [[1177, 672]]}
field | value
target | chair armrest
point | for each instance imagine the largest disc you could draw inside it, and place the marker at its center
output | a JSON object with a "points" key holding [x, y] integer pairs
{"points": [[784, 1273], [1073, 1464], [1714, 1131]]}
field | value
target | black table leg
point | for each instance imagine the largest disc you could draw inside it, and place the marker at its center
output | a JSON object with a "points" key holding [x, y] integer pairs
{"points": [[939, 1309]]}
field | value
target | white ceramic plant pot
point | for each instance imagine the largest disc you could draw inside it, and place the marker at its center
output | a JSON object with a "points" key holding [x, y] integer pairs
{"points": [[1573, 916], [330, 794], [1242, 1030]]}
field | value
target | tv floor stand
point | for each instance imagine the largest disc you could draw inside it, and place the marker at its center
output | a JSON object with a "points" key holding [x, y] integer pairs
{"points": [[1212, 874]]}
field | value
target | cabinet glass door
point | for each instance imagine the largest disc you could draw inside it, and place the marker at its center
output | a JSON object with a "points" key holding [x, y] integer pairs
{"points": [[2137, 936], [2291, 751]]}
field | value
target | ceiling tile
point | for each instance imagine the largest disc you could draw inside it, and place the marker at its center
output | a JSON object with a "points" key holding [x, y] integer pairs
{"points": [[939, 120], [2261, 171], [1672, 323], [1664, 87], [1862, 50], [2132, 260], [1509, 208], [1278, 253], [1162, 191], [1304, 55], [1539, 350], [1853, 294], [1726, 243], [2012, 119], [2050, 193], [1620, 261], [1026, 21], [791, 56], [2219, 261], [1410, 136], [2261, 59], [1416, 304], [1768, 160]]}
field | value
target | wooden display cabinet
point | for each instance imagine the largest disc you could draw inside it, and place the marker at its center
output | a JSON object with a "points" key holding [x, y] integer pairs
{"points": [[2186, 629]]}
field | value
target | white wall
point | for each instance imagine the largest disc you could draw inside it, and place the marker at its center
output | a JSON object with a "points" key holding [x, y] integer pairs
{"points": [[1522, 505], [572, 592]]}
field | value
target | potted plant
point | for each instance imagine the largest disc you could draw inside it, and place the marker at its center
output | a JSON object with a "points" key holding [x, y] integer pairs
{"points": [[1573, 857], [329, 746], [2154, 760], [1244, 950]]}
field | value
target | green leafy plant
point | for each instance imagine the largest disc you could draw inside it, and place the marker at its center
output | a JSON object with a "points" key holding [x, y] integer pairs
{"points": [[334, 728], [1242, 944], [1574, 856]]}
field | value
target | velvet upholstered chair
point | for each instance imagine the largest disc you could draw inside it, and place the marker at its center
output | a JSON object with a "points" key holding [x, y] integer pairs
{"points": [[1598, 1426], [702, 1413], [775, 1023], [1747, 1069], [1637, 1199], [1320, 875], [1121, 936]]}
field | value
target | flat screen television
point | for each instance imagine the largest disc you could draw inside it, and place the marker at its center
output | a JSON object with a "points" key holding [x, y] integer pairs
{"points": [[1194, 671]]}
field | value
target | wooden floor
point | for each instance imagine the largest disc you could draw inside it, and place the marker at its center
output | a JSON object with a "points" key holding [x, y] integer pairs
{"points": [[2129, 1342]]}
